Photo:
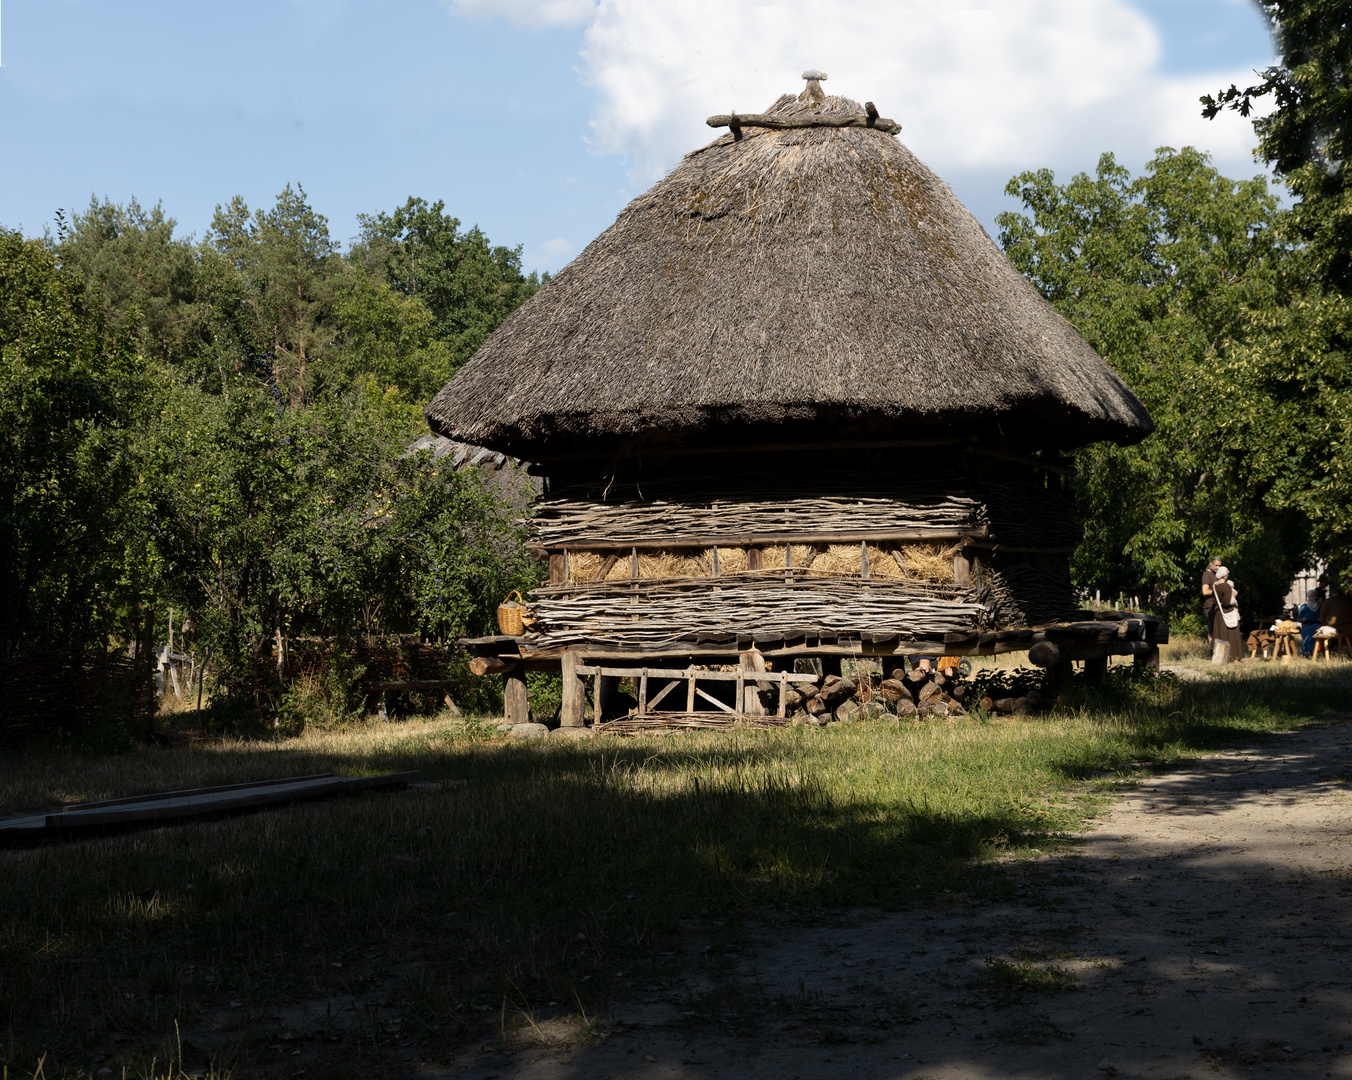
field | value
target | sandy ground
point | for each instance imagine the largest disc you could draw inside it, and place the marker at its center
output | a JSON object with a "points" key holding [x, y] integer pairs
{"points": [[1203, 927]]}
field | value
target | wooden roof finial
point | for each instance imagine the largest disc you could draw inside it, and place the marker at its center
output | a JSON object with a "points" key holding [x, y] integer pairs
{"points": [[813, 92]]}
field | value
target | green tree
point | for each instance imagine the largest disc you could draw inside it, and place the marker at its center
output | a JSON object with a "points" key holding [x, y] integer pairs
{"points": [[142, 275], [467, 284], [1292, 378], [1307, 137], [73, 393], [1161, 273], [281, 300]]}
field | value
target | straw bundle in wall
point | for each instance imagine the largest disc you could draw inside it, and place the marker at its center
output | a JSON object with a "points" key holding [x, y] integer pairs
{"points": [[921, 562], [928, 562]]}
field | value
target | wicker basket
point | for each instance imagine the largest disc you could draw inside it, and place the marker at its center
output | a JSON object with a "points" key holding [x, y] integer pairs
{"points": [[512, 615]]}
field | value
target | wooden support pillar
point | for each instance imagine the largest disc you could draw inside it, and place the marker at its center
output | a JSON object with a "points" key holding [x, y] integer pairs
{"points": [[1150, 660], [571, 710], [558, 568], [962, 570], [753, 558], [748, 696], [1061, 672], [515, 705], [1096, 669]]}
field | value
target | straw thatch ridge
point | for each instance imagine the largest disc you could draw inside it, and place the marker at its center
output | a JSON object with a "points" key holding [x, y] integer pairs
{"points": [[819, 275]]}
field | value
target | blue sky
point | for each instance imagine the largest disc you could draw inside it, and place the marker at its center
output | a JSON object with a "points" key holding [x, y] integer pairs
{"points": [[539, 119]]}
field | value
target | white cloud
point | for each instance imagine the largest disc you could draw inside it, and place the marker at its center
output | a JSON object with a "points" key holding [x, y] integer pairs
{"points": [[975, 84], [552, 254], [529, 13], [1008, 83]]}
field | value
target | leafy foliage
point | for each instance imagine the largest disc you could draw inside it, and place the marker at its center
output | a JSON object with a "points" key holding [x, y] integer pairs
{"points": [[1307, 137], [466, 284], [1161, 274], [73, 392], [221, 428]]}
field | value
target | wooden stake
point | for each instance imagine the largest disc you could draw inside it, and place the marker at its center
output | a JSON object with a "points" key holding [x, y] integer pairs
{"points": [[516, 705], [570, 712]]}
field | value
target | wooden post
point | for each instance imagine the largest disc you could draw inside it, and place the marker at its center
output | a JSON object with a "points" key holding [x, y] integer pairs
{"points": [[783, 694], [633, 563], [863, 560], [1062, 672], [515, 704], [596, 699], [962, 570], [1149, 660], [715, 562], [558, 568], [643, 692], [570, 712], [753, 558], [690, 694]]}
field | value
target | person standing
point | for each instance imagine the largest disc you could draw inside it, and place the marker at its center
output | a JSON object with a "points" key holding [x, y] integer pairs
{"points": [[1226, 622], [1209, 598], [1308, 617]]}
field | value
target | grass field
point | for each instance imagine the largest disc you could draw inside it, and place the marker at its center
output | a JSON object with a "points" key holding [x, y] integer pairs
{"points": [[562, 876]]}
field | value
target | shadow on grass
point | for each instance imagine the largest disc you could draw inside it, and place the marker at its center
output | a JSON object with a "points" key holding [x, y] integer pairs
{"points": [[391, 927]]}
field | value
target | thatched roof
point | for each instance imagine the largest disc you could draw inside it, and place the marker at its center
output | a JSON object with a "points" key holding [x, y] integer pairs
{"points": [[815, 275]]}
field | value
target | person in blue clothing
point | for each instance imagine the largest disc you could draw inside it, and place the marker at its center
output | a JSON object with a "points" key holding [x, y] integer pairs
{"points": [[1308, 617]]}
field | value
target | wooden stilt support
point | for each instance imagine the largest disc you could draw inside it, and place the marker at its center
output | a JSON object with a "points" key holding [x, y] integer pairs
{"points": [[1150, 660], [571, 710], [516, 706]]}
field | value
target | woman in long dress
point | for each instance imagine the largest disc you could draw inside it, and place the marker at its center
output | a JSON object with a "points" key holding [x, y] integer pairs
{"points": [[1227, 610]]}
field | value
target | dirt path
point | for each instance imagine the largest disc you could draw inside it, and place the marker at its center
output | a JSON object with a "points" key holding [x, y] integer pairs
{"points": [[1206, 924]]}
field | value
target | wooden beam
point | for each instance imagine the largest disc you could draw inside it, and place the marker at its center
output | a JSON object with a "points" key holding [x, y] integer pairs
{"points": [[410, 684], [491, 665], [606, 567], [810, 120], [558, 567]]}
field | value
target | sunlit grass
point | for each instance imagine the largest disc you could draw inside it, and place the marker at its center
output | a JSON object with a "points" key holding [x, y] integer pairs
{"points": [[562, 872]]}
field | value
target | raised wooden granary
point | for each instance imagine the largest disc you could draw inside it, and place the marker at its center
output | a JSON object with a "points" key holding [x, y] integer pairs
{"points": [[793, 403]]}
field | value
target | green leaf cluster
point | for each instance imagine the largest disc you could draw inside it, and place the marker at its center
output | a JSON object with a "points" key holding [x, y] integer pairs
{"points": [[221, 426], [1162, 274]]}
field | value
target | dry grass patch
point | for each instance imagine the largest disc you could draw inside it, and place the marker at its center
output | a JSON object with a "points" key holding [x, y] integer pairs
{"points": [[394, 927]]}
